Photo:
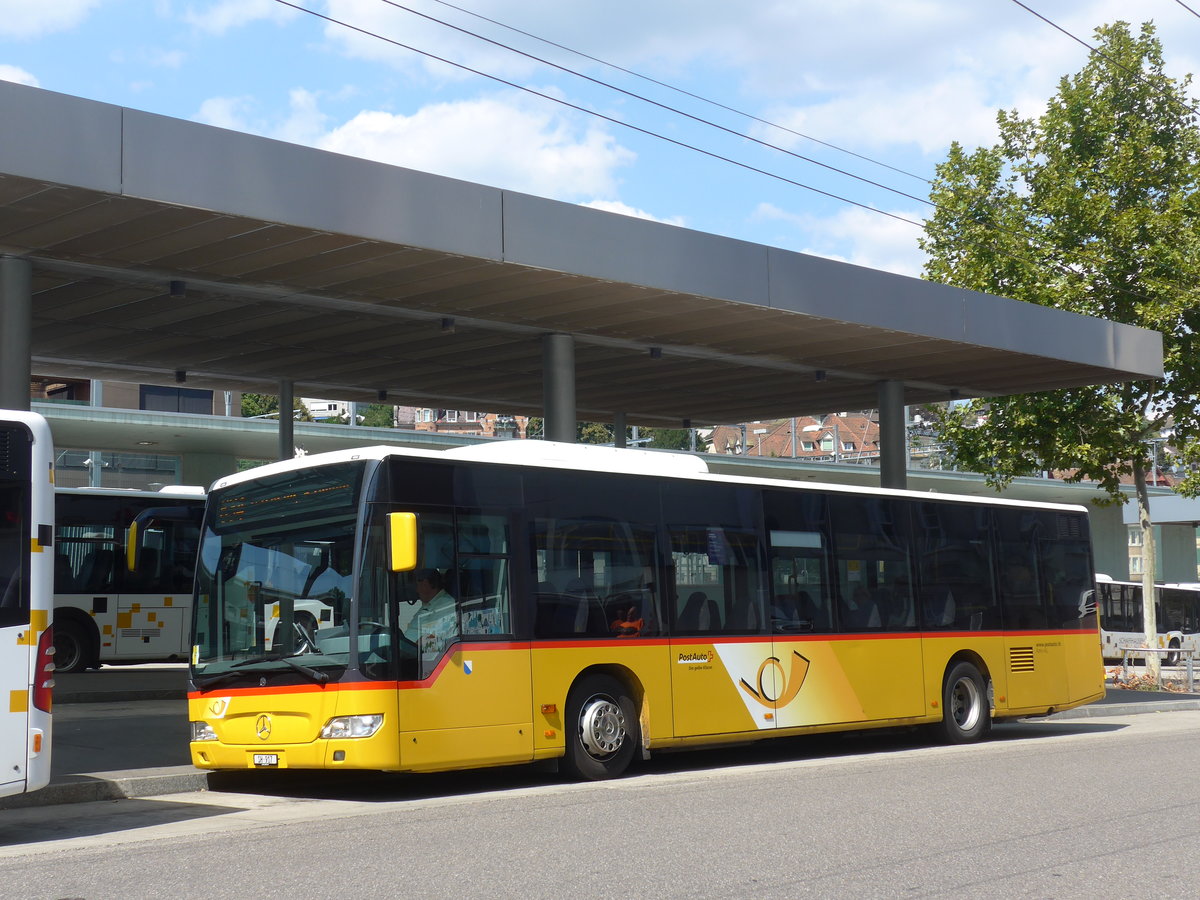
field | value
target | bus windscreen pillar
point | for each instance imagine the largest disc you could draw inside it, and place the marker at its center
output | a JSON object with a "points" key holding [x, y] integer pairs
{"points": [[558, 387], [287, 444], [893, 453], [16, 323]]}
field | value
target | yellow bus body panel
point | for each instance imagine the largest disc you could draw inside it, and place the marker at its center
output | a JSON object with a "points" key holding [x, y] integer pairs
{"points": [[474, 710], [294, 719], [496, 704]]}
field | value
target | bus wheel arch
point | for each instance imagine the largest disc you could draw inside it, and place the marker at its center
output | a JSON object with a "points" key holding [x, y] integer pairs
{"points": [[601, 723], [1172, 659], [966, 700], [76, 641]]}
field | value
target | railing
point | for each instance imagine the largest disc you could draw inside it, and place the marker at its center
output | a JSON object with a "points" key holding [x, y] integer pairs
{"points": [[1127, 651]]}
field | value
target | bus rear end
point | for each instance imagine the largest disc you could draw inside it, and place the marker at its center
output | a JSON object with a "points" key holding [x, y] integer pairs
{"points": [[26, 575]]}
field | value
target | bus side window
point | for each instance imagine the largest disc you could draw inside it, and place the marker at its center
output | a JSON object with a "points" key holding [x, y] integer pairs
{"points": [[483, 596], [873, 571]]}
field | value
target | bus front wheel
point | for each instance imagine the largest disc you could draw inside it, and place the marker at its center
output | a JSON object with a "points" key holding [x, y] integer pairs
{"points": [[966, 716], [602, 729]]}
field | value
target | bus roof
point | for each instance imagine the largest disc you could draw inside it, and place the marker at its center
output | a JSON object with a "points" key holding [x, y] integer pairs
{"points": [[171, 491], [594, 458]]}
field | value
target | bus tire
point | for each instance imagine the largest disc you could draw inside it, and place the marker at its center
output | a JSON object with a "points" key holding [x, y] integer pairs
{"points": [[1172, 659], [73, 650], [966, 716], [602, 729]]}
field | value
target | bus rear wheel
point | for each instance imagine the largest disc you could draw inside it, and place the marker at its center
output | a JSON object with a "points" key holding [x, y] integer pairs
{"points": [[966, 716], [602, 729], [1172, 659], [73, 651]]}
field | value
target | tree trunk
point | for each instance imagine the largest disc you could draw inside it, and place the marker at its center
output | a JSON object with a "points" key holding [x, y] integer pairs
{"points": [[1149, 567]]}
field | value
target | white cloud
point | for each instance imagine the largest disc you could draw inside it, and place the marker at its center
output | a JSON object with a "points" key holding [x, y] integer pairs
{"points": [[305, 123], [26, 19], [857, 236], [907, 72], [224, 15], [18, 76], [624, 209], [490, 140], [226, 112]]}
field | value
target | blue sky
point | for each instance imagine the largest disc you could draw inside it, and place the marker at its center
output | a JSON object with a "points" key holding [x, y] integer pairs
{"points": [[891, 80]]}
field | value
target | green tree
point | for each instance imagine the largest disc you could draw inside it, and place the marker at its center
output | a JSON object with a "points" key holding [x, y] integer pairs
{"points": [[259, 405], [1092, 207], [593, 433], [669, 438], [377, 415], [264, 405]]}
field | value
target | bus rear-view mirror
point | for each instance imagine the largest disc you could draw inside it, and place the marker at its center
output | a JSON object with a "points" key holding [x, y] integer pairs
{"points": [[402, 541]]}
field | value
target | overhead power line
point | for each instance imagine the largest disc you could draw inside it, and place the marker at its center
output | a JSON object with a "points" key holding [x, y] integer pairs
{"points": [[1061, 267], [1188, 8], [1096, 51], [684, 92], [633, 95], [611, 119]]}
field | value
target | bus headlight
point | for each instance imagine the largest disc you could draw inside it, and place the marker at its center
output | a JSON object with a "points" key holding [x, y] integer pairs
{"points": [[351, 726], [202, 731]]}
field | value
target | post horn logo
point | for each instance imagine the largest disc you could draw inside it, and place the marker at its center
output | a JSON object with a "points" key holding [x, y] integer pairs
{"points": [[789, 684], [262, 727]]}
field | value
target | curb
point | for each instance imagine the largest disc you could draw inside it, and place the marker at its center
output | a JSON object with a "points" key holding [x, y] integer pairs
{"points": [[1104, 710], [112, 786]]}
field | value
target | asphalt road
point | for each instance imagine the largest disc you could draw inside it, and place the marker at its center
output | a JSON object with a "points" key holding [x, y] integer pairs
{"points": [[1074, 808]]}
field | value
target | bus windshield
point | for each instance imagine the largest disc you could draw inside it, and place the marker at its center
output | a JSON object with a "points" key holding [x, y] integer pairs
{"points": [[274, 576]]}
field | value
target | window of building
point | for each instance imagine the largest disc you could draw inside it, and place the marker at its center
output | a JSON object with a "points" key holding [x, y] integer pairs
{"points": [[1135, 536], [471, 416], [847, 445], [808, 445], [174, 399], [452, 415]]}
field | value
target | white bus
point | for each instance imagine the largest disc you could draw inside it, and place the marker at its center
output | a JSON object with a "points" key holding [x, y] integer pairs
{"points": [[1177, 614], [103, 612], [26, 570]]}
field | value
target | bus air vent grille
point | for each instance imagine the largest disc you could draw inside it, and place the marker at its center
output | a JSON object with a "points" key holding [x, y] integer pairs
{"points": [[1020, 659]]}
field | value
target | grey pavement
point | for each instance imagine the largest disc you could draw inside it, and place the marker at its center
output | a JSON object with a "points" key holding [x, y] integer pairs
{"points": [[122, 731]]}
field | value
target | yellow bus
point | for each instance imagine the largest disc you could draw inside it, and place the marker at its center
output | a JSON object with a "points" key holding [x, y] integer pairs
{"points": [[528, 600], [26, 575]]}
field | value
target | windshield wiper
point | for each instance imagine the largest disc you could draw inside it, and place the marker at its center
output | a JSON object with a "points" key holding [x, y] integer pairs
{"points": [[316, 675], [204, 682]]}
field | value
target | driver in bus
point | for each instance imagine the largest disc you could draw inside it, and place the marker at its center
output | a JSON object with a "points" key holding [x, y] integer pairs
{"points": [[435, 624]]}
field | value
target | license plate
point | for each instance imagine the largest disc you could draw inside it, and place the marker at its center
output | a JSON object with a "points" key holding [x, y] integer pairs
{"points": [[266, 759]]}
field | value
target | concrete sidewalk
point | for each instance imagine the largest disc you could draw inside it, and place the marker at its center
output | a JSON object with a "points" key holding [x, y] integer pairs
{"points": [[122, 732]]}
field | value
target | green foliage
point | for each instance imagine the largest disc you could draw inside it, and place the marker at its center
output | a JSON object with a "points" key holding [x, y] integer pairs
{"points": [[593, 433], [377, 415], [1092, 208], [262, 405], [258, 405], [669, 438]]}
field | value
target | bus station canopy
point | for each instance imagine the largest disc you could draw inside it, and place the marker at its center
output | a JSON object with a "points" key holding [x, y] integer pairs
{"points": [[164, 251]]}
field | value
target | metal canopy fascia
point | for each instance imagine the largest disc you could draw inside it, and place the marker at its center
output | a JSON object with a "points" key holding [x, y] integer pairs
{"points": [[341, 275]]}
